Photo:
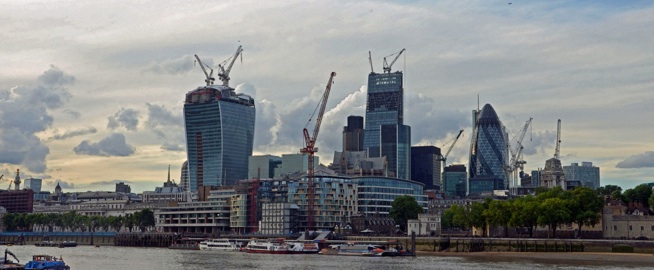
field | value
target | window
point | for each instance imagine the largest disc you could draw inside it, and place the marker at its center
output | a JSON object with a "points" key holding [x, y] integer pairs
{"points": [[630, 228], [615, 228]]}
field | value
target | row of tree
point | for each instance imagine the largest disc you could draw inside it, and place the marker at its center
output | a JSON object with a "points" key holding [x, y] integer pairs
{"points": [[72, 221], [640, 194], [550, 208]]}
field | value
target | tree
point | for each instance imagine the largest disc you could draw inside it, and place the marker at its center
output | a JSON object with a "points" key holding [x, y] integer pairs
{"points": [[552, 212], [461, 216], [146, 218], [608, 190], [499, 214], [477, 218], [585, 207], [524, 213], [404, 208]]}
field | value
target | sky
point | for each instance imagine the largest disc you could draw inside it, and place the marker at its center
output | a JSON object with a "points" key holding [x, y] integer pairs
{"points": [[91, 92]]}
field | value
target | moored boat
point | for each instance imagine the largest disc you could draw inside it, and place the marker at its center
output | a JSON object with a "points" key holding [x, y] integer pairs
{"points": [[42, 262], [266, 247], [218, 244], [9, 264], [353, 249], [302, 247]]}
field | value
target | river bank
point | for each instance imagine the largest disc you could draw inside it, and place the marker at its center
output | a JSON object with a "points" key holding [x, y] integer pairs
{"points": [[570, 258]]}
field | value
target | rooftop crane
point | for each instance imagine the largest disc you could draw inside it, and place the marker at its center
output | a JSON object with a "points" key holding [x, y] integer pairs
{"points": [[387, 67], [516, 162], [372, 70], [557, 151], [310, 149], [223, 74], [209, 80]]}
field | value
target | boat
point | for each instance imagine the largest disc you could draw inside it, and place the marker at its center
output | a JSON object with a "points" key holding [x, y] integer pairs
{"points": [[353, 249], [43, 262], [266, 247], [9, 264], [218, 244], [186, 243], [302, 247]]}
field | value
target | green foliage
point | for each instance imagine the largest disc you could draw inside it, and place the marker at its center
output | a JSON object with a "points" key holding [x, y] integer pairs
{"points": [[608, 190], [499, 214], [585, 207], [552, 212], [77, 222], [638, 194], [403, 208]]}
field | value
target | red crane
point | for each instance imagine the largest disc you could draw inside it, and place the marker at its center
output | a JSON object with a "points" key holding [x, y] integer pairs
{"points": [[310, 149]]}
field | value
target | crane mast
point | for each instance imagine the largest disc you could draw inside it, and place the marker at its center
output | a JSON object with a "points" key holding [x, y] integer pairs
{"points": [[310, 150], [557, 151], [387, 67], [372, 70], [515, 155], [223, 75]]}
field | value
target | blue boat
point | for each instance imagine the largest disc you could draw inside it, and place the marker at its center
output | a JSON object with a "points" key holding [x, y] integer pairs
{"points": [[43, 262]]}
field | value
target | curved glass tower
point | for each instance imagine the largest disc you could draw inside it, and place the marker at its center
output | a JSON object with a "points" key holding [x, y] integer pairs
{"points": [[219, 135], [488, 152]]}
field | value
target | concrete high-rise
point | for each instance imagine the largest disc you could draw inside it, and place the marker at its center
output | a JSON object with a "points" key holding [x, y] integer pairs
{"points": [[385, 133], [587, 174], [219, 135], [265, 166], [426, 166], [488, 151]]}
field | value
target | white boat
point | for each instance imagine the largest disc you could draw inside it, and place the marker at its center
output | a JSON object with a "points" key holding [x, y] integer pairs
{"points": [[218, 244], [353, 249], [295, 247], [267, 247]]}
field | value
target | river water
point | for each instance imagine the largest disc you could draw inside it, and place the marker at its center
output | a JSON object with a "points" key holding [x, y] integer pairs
{"points": [[126, 258]]}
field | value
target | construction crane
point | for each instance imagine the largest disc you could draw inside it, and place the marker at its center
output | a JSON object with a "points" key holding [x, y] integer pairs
{"points": [[372, 70], [209, 80], [223, 74], [516, 161], [387, 67], [443, 158], [557, 151], [310, 149]]}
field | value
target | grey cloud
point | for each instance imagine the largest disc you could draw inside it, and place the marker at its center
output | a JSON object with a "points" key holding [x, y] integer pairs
{"points": [[72, 114], [128, 118], [176, 66], [24, 112], [160, 116], [173, 147], [74, 133], [108, 182], [114, 145], [539, 142], [644, 160]]}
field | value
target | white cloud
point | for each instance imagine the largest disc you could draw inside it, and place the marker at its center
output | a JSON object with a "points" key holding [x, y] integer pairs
{"points": [[114, 145]]}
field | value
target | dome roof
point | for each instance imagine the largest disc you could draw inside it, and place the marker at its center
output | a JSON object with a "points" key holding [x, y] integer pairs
{"points": [[487, 116]]}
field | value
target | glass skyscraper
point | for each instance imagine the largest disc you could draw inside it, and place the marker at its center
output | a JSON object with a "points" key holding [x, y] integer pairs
{"points": [[488, 151], [385, 133], [219, 135]]}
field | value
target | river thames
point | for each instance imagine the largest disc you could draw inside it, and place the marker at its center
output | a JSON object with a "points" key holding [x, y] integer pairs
{"points": [[124, 258]]}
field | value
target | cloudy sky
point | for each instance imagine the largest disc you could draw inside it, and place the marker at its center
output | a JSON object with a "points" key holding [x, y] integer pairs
{"points": [[92, 92]]}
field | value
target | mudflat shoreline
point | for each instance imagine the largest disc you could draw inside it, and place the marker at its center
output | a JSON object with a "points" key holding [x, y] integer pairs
{"points": [[571, 258]]}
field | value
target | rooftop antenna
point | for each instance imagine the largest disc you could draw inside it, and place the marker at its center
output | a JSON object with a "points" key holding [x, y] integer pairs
{"points": [[477, 102], [209, 80]]}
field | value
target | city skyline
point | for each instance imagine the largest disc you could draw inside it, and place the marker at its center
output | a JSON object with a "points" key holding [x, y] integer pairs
{"points": [[91, 94]]}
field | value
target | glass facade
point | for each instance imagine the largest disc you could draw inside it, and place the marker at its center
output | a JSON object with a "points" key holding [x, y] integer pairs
{"points": [[455, 181], [587, 174], [426, 166], [489, 151], [384, 106], [396, 147], [376, 194], [219, 135]]}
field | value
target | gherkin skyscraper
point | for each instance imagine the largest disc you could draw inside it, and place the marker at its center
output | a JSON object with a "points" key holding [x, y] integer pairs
{"points": [[488, 152]]}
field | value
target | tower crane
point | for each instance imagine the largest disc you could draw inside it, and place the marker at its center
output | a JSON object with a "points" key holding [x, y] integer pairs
{"points": [[223, 74], [372, 70], [387, 67], [209, 80], [516, 162], [310, 149], [557, 151], [443, 158]]}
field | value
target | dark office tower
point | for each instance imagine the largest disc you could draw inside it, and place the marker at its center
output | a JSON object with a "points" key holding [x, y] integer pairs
{"points": [[183, 178], [455, 181], [383, 107], [353, 134], [219, 135], [396, 147], [426, 166], [122, 187], [488, 151]]}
